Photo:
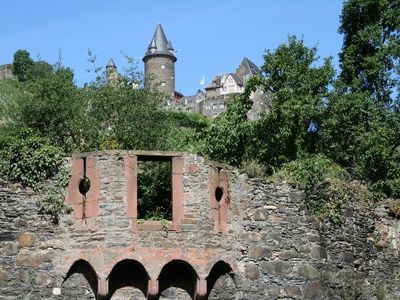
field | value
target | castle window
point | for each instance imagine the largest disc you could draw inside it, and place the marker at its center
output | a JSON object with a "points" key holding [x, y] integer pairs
{"points": [[208, 107], [154, 192], [163, 83], [221, 105], [162, 67]]}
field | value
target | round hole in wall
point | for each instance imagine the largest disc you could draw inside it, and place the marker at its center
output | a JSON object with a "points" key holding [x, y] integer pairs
{"points": [[84, 185], [219, 192]]}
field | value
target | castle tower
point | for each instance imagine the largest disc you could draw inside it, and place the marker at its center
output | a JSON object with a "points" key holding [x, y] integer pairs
{"points": [[159, 64], [111, 70]]}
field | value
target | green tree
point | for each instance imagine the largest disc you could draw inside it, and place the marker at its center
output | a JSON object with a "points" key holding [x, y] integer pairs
{"points": [[51, 107], [10, 92], [298, 89], [228, 137], [347, 120], [22, 64], [39, 69], [371, 47]]}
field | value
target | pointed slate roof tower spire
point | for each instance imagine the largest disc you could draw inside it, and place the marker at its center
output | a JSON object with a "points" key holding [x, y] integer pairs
{"points": [[159, 64], [111, 64], [159, 45]]}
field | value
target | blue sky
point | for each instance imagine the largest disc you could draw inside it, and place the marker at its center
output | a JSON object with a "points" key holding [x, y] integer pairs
{"points": [[210, 36]]}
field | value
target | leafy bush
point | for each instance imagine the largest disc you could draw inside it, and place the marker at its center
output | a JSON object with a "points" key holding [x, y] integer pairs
{"points": [[327, 185], [325, 199], [253, 169], [386, 188], [51, 199], [310, 171], [28, 159]]}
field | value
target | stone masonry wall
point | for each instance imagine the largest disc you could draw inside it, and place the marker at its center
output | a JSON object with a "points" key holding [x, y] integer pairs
{"points": [[230, 237], [160, 74], [6, 72]]}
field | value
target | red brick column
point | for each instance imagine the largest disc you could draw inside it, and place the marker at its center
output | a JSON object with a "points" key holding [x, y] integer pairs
{"points": [[201, 289], [177, 191], [130, 162], [152, 289], [74, 197], [219, 210], [92, 196]]}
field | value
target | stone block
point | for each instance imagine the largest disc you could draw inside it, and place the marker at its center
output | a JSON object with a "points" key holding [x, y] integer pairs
{"points": [[261, 214], [274, 291], [4, 275], [319, 253], [26, 240], [56, 291], [20, 223], [259, 252], [348, 257], [32, 260], [297, 197], [313, 238], [289, 254], [58, 244], [42, 279], [294, 292], [276, 267], [252, 272], [275, 218], [307, 271], [10, 248], [192, 168], [313, 291], [23, 276]]}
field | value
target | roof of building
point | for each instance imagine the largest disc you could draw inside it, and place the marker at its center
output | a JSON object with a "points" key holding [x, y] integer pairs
{"points": [[215, 83], [159, 45], [236, 78], [250, 67], [219, 80], [111, 64]]}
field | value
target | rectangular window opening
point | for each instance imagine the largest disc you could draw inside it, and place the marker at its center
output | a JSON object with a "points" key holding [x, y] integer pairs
{"points": [[154, 189]]}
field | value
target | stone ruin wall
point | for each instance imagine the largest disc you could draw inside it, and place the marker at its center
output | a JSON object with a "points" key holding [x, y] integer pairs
{"points": [[6, 71], [258, 242]]}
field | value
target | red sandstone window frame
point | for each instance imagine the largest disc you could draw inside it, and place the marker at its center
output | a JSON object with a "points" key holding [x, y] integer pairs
{"points": [[131, 165]]}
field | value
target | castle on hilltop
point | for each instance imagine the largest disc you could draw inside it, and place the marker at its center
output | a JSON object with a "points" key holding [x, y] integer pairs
{"points": [[159, 73], [159, 70]]}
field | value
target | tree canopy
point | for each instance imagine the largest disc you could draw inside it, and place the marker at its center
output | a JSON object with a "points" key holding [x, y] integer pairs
{"points": [[371, 47]]}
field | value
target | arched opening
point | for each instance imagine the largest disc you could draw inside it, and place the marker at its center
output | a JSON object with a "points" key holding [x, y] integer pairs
{"points": [[179, 274], [174, 293], [128, 272], [128, 292], [220, 278], [74, 283]]}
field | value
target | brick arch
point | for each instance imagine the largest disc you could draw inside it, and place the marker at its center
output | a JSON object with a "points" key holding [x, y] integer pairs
{"points": [[83, 267], [219, 269], [128, 272], [178, 273]]}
